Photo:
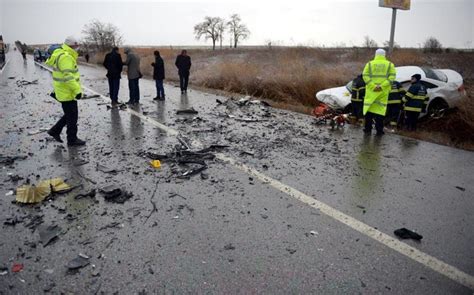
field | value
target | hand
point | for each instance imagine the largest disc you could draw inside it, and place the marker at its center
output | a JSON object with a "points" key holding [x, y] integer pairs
{"points": [[79, 96], [377, 88]]}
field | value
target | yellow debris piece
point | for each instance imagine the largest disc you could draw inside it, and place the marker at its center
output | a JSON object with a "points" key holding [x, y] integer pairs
{"points": [[155, 163], [36, 194]]}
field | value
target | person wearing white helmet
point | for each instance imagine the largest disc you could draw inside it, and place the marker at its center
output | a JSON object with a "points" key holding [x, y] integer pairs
{"points": [[378, 76], [67, 89]]}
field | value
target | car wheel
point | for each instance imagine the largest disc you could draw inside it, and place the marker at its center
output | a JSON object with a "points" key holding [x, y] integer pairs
{"points": [[437, 108]]}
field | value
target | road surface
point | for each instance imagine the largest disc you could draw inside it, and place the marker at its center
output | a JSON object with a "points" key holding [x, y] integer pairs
{"points": [[288, 207]]}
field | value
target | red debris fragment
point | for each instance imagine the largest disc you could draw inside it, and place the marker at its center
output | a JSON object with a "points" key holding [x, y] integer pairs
{"points": [[17, 267]]}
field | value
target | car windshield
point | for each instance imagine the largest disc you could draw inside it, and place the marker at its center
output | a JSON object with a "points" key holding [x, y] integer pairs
{"points": [[349, 86], [435, 74]]}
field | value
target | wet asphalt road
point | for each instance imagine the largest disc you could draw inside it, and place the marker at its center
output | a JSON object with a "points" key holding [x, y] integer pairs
{"points": [[230, 233]]}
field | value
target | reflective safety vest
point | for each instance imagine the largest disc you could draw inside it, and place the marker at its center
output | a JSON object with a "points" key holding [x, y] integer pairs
{"points": [[416, 99], [378, 72], [358, 90], [396, 93], [66, 76]]}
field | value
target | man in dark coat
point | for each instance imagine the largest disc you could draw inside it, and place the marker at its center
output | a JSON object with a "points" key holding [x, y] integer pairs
{"points": [[159, 76], [134, 74], [183, 63], [414, 102], [113, 64]]}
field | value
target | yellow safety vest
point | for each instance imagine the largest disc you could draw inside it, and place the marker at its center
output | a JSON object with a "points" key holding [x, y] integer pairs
{"points": [[378, 72], [66, 76]]}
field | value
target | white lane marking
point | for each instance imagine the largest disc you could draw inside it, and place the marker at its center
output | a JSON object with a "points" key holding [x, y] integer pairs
{"points": [[4, 66], [405, 249], [427, 260]]}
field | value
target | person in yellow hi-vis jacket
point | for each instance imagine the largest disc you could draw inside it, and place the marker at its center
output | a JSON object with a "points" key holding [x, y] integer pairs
{"points": [[378, 75], [67, 89]]}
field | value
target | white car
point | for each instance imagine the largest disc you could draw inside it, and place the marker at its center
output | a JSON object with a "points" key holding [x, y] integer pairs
{"points": [[445, 88]]}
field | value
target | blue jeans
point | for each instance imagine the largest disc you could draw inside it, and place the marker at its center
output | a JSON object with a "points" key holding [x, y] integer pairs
{"points": [[134, 90], [114, 86], [160, 90]]}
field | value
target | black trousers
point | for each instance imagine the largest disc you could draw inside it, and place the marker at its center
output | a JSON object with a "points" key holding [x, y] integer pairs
{"points": [[134, 90], [357, 107], [183, 81], [114, 86], [69, 119], [411, 120], [369, 118], [393, 112]]}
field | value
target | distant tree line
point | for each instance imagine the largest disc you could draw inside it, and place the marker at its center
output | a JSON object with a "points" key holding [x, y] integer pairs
{"points": [[214, 28]]}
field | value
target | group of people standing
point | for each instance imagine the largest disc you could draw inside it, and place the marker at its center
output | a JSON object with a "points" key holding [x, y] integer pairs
{"points": [[377, 97], [114, 65]]}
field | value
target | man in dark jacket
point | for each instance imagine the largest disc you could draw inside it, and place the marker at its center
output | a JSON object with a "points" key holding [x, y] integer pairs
{"points": [[414, 102], [357, 98], [159, 76], [183, 63], [113, 64]]}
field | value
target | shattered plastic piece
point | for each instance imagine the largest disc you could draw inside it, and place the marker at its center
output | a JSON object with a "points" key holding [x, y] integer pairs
{"points": [[48, 233], [313, 232], [461, 188], [192, 172], [229, 247], [12, 220], [105, 169], [49, 271], [34, 132], [113, 193], [187, 111], [36, 194], [90, 194], [9, 193], [404, 233], [3, 271], [7, 160], [155, 163], [78, 262], [17, 267]]}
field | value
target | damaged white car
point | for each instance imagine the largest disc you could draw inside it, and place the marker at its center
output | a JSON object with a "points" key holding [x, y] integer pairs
{"points": [[445, 89]]}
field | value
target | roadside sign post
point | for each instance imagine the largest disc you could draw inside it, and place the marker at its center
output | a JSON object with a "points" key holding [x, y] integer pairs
{"points": [[394, 4]]}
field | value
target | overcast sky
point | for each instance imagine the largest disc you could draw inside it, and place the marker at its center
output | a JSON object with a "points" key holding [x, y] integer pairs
{"points": [[314, 22]]}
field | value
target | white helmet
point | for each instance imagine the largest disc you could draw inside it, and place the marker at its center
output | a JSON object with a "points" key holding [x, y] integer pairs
{"points": [[380, 51], [71, 41]]}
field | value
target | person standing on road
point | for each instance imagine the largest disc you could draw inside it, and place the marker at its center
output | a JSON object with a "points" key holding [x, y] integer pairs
{"points": [[414, 102], [134, 74], [67, 90], [378, 75], [357, 98], [114, 65], [159, 76], [183, 63], [394, 103]]}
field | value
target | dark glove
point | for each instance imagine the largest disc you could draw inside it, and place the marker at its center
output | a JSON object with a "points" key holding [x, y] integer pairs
{"points": [[79, 96], [53, 95]]}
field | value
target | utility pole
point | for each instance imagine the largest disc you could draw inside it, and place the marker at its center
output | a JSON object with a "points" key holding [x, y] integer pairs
{"points": [[392, 30], [394, 5]]}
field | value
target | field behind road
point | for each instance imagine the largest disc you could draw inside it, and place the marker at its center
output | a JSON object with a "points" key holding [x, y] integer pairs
{"points": [[290, 77]]}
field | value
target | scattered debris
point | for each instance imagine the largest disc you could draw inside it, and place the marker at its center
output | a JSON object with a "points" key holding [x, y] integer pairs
{"points": [[9, 193], [187, 111], [21, 83], [3, 270], [154, 209], [112, 225], [291, 251], [80, 261], [38, 131], [9, 160], [314, 232], [17, 267], [48, 233], [90, 194], [90, 96], [105, 169], [229, 247], [155, 163], [36, 194], [461, 188], [13, 221], [113, 193], [84, 177], [404, 233], [191, 172]]}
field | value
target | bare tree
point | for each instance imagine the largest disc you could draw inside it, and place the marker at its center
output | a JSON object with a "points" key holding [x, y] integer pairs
{"points": [[238, 30], [101, 36], [221, 26], [209, 29], [432, 45], [386, 44], [369, 43]]}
